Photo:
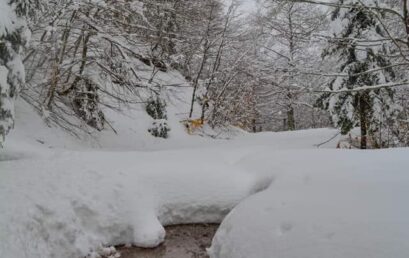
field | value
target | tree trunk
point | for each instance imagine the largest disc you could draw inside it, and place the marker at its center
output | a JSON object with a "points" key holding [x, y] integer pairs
{"points": [[290, 119], [196, 81], [216, 64], [206, 47], [363, 121], [290, 96]]}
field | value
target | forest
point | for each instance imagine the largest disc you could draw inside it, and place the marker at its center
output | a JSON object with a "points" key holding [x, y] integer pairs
{"points": [[289, 65], [125, 121]]}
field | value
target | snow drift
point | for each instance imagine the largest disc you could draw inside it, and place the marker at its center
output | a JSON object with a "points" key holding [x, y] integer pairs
{"points": [[67, 204], [322, 203]]}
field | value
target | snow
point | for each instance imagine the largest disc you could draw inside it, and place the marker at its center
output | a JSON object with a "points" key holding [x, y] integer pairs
{"points": [[61, 197], [322, 203], [67, 197], [66, 203], [7, 18]]}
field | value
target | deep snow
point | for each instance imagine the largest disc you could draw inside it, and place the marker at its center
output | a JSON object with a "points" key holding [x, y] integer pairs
{"points": [[322, 203], [63, 197], [66, 203]]}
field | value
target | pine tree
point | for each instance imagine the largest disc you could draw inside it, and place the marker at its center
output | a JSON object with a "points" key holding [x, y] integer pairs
{"points": [[363, 61], [13, 37]]}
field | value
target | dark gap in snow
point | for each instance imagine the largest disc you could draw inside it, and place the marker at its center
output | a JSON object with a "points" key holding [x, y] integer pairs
{"points": [[182, 241]]}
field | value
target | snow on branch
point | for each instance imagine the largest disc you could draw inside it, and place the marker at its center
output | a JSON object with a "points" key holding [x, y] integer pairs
{"points": [[348, 6], [367, 87]]}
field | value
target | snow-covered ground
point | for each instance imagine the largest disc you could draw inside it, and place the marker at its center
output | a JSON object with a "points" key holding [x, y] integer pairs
{"points": [[322, 203], [65, 203], [61, 197]]}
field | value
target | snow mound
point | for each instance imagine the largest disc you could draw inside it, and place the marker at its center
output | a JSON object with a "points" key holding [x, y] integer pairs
{"points": [[69, 203], [322, 203]]}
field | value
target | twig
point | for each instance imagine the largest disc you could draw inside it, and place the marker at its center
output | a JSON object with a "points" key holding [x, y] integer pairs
{"points": [[327, 141]]}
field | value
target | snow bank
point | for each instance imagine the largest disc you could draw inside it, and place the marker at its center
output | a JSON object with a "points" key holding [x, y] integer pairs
{"points": [[322, 203], [68, 203]]}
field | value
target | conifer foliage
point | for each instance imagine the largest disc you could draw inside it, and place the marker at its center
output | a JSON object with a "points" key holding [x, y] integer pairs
{"points": [[13, 36], [353, 98]]}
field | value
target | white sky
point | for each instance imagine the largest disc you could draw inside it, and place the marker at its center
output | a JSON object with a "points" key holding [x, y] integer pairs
{"points": [[248, 5]]}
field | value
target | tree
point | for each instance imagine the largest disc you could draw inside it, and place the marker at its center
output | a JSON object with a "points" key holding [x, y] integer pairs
{"points": [[83, 57], [13, 37], [207, 43], [227, 90], [355, 99], [286, 49], [86, 56]]}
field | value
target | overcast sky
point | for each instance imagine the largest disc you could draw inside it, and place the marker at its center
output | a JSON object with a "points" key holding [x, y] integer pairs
{"points": [[246, 5], [249, 4]]}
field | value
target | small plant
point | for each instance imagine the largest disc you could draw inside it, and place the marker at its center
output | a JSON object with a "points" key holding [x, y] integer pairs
{"points": [[86, 104], [156, 108], [160, 128]]}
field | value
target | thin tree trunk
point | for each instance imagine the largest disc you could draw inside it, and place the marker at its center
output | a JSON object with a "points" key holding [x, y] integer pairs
{"points": [[204, 60], [290, 96], [216, 63], [363, 121], [290, 119], [196, 82], [57, 63]]}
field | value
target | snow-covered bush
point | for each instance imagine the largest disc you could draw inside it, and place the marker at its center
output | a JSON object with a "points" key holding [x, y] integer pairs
{"points": [[156, 108], [160, 128], [86, 104]]}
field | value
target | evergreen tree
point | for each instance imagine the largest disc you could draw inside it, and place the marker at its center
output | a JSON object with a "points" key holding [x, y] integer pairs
{"points": [[363, 62], [13, 36]]}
